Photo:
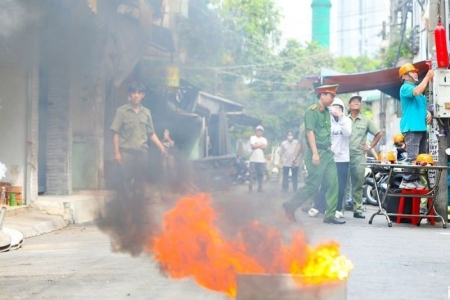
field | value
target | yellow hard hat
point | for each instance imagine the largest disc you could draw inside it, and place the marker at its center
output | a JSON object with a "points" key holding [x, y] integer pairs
{"points": [[408, 67], [424, 159], [389, 156], [398, 138]]}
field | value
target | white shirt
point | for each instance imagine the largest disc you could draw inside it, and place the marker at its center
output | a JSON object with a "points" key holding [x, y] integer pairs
{"points": [[287, 150], [340, 138], [257, 154]]}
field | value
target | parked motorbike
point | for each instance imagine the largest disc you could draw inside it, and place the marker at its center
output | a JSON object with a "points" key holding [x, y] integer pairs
{"points": [[243, 172], [369, 191], [381, 177]]}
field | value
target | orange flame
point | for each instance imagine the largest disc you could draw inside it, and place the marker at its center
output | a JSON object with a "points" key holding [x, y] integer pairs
{"points": [[191, 246]]}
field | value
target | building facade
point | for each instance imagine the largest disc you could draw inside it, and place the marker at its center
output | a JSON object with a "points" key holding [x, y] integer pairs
{"points": [[63, 75], [61, 71], [321, 10], [360, 26]]}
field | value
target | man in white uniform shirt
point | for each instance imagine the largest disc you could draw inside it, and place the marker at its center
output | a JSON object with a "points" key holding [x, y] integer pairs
{"points": [[257, 160], [287, 152]]}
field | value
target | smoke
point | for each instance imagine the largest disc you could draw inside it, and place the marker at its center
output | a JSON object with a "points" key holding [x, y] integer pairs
{"points": [[15, 15], [238, 208], [133, 222]]}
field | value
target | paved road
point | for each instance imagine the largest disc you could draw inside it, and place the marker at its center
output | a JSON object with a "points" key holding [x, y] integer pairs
{"points": [[402, 262]]}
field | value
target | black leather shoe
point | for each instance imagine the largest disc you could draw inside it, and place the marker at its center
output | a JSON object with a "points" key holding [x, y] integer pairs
{"points": [[333, 221], [359, 216], [290, 214]]}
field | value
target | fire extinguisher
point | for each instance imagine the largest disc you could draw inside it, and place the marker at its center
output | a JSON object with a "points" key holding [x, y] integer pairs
{"points": [[440, 38]]}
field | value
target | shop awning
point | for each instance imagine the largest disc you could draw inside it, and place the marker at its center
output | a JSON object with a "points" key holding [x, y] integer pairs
{"points": [[181, 112], [216, 103], [386, 80], [243, 119]]}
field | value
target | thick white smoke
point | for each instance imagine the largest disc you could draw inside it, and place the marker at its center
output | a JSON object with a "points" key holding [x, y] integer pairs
{"points": [[14, 15]]}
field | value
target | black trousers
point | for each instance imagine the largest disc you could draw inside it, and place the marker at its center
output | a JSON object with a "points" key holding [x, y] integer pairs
{"points": [[286, 178], [320, 203]]}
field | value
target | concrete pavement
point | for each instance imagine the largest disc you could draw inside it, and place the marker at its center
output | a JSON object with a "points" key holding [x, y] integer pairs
{"points": [[50, 213], [402, 262], [35, 223]]}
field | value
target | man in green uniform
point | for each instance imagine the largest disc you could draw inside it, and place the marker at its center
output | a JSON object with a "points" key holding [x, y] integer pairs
{"points": [[132, 128], [361, 126], [319, 159]]}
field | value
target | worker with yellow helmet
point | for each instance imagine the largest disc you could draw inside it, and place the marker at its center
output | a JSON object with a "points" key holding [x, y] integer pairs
{"points": [[415, 117], [399, 143]]}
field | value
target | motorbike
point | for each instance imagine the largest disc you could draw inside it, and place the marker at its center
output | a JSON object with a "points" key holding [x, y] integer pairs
{"points": [[243, 172], [369, 192], [381, 177]]}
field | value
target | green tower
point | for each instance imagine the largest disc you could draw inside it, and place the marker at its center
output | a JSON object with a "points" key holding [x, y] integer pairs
{"points": [[321, 22]]}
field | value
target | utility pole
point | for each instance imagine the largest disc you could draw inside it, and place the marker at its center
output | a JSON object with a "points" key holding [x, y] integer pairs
{"points": [[383, 118], [437, 6], [399, 11]]}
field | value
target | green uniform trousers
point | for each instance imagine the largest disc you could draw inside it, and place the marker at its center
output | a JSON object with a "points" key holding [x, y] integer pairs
{"points": [[323, 174], [356, 172]]}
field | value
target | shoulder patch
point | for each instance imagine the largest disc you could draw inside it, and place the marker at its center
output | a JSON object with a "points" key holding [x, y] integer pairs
{"points": [[313, 107], [146, 110]]}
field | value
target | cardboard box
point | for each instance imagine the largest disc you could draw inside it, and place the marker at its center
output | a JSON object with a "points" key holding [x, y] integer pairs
{"points": [[14, 189]]}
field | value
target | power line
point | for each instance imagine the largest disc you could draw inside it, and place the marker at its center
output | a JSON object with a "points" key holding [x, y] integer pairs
{"points": [[266, 49], [268, 70], [228, 29]]}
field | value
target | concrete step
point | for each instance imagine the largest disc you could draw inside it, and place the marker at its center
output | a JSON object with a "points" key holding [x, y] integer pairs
{"points": [[16, 210], [82, 207], [34, 223]]}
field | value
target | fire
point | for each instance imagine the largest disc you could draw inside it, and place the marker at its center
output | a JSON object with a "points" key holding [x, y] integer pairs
{"points": [[190, 245]]}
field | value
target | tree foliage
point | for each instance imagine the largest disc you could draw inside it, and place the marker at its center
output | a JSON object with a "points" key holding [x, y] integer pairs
{"points": [[233, 51], [394, 52], [349, 64], [251, 29]]}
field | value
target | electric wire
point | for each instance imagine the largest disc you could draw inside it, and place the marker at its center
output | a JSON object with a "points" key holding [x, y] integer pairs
{"points": [[221, 69]]}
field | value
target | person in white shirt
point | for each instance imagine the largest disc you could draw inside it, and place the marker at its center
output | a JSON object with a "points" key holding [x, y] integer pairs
{"points": [[341, 128], [257, 160], [287, 151]]}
